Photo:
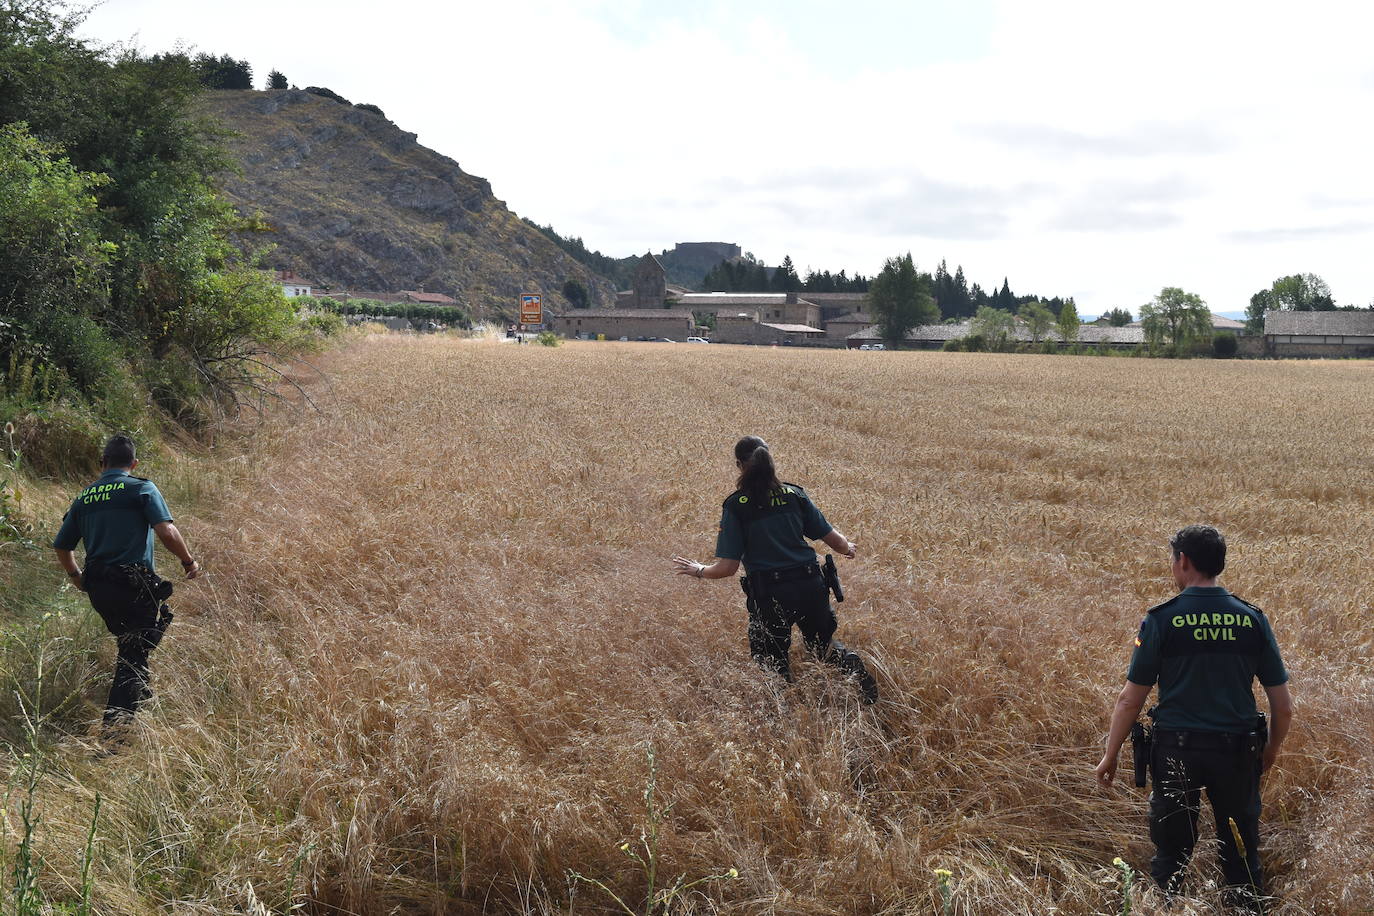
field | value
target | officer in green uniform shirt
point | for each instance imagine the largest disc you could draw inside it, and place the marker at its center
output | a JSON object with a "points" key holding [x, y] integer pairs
{"points": [[1205, 648], [117, 517], [765, 524]]}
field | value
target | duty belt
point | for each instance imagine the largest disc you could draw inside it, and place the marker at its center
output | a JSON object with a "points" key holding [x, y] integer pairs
{"points": [[1235, 742], [790, 574]]}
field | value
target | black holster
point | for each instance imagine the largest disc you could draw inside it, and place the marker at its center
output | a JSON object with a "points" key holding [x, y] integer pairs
{"points": [[151, 587], [1142, 740], [832, 577]]}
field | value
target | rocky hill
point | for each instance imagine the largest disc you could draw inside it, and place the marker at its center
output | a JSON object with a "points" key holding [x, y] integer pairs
{"points": [[354, 202]]}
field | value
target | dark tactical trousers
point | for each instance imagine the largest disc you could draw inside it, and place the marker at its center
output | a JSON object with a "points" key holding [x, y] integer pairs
{"points": [[804, 603], [130, 613], [1231, 776]]}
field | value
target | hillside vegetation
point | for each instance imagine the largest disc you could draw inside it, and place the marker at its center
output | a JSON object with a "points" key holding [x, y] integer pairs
{"points": [[439, 635], [353, 201]]}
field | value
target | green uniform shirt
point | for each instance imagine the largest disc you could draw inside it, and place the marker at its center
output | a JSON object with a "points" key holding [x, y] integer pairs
{"points": [[115, 517], [1205, 647], [772, 535]]}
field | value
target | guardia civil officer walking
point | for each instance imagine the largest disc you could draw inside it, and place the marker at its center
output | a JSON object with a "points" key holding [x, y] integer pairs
{"points": [[117, 517], [1204, 647], [765, 524]]}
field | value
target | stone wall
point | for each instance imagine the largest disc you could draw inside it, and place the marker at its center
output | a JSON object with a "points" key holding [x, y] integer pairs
{"points": [[1300, 349], [673, 325]]}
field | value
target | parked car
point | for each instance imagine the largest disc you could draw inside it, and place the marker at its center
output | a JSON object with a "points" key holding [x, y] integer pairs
{"points": [[697, 340], [865, 346], [877, 347]]}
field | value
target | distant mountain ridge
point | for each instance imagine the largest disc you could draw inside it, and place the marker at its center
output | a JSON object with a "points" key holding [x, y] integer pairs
{"points": [[354, 202]]}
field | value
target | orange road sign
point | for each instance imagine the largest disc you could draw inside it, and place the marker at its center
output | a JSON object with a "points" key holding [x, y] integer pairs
{"points": [[531, 309]]}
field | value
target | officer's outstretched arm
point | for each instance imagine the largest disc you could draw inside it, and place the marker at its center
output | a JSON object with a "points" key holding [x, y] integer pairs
{"points": [[171, 538], [839, 543], [1280, 717], [720, 569]]}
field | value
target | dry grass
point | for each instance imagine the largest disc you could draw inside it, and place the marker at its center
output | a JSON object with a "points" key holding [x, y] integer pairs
{"points": [[440, 628]]}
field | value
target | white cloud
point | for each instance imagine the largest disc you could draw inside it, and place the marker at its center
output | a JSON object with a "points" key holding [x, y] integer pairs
{"points": [[1079, 148]]}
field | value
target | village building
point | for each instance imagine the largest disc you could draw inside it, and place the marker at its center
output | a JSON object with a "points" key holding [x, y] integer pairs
{"points": [[841, 327], [780, 308], [836, 305], [787, 319], [649, 286], [632, 324], [746, 328], [293, 285], [420, 297], [1319, 334], [935, 336]]}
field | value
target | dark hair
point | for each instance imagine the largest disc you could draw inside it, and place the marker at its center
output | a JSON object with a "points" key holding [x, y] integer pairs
{"points": [[757, 474], [119, 452], [1203, 545]]}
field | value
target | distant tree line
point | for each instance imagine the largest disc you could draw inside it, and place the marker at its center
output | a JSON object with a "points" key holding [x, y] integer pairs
{"points": [[616, 270], [747, 274]]}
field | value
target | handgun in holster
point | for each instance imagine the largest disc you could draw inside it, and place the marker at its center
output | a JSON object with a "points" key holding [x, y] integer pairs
{"points": [[832, 577], [158, 589], [1142, 739]]}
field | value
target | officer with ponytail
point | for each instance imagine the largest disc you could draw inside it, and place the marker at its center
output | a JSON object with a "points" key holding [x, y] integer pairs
{"points": [[765, 525]]}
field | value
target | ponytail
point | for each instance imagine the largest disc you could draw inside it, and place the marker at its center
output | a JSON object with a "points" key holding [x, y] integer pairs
{"points": [[758, 476]]}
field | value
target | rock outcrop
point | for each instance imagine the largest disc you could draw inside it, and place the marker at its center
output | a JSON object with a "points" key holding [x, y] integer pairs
{"points": [[351, 201]]}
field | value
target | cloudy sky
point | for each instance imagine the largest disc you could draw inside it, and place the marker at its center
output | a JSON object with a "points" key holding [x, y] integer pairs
{"points": [[1099, 150]]}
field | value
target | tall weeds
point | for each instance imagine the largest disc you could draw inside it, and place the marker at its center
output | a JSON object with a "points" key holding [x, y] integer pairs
{"points": [[439, 628]]}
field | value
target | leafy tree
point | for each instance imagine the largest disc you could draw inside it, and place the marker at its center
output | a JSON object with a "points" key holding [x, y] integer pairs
{"points": [[50, 244], [223, 72], [1296, 292], [900, 299], [1038, 319], [1261, 303], [995, 326], [1068, 323], [1118, 317], [576, 294], [276, 80], [1303, 293], [1176, 318], [148, 276]]}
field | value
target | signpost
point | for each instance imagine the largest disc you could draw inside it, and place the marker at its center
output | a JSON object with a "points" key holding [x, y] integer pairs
{"points": [[531, 310]]}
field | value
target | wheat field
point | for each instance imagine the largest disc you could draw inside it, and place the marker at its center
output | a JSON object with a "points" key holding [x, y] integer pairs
{"points": [[440, 633]]}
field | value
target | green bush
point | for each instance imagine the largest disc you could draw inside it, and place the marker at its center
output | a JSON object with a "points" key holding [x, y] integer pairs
{"points": [[1224, 345], [954, 345], [547, 338], [59, 440], [324, 324], [975, 343]]}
